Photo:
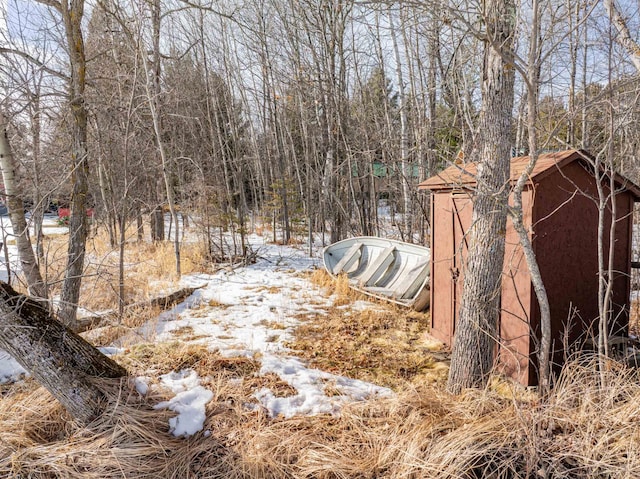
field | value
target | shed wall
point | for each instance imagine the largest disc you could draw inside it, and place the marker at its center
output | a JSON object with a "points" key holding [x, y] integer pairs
{"points": [[451, 218], [566, 245], [517, 300]]}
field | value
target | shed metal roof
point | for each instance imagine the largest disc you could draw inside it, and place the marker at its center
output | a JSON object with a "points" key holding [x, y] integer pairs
{"points": [[459, 176]]}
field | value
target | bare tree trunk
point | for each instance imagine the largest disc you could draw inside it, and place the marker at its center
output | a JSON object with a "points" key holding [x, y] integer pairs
{"points": [[121, 250], [28, 261], [434, 54], [573, 12], [106, 194], [273, 114], [476, 334], [139, 223], [606, 204], [153, 97], [157, 224], [41, 202], [521, 124], [624, 35], [404, 138], [58, 359], [532, 83], [72, 14]]}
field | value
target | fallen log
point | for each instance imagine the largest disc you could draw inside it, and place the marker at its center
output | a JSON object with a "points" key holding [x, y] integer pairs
{"points": [[56, 357], [161, 302]]}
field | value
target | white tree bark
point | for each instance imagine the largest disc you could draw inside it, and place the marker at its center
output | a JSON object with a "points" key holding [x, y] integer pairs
{"points": [[624, 35], [404, 136], [28, 262]]}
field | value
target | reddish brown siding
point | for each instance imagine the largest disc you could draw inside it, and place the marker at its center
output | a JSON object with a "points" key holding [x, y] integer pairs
{"points": [[567, 244], [451, 220], [565, 219], [516, 302]]}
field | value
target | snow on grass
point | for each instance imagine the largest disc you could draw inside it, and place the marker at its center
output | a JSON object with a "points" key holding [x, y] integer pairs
{"points": [[141, 384], [189, 402], [318, 392], [248, 311], [252, 311]]}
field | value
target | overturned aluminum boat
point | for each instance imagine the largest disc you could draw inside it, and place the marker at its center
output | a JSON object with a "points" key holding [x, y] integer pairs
{"points": [[383, 268]]}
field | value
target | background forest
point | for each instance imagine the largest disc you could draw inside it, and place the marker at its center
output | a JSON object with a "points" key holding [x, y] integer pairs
{"points": [[301, 113]]}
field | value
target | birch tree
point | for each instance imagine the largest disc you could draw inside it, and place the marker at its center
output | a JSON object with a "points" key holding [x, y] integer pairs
{"points": [[624, 34], [28, 261], [405, 168]]}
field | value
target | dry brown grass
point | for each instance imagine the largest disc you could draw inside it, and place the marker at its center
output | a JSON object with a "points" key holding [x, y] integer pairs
{"points": [[586, 428], [115, 329], [131, 441], [385, 345], [426, 433], [634, 318], [338, 287], [149, 268], [581, 431]]}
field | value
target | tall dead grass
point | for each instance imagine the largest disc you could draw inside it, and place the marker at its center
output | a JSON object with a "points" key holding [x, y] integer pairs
{"points": [[336, 286], [149, 268], [586, 428], [581, 431], [385, 345]]}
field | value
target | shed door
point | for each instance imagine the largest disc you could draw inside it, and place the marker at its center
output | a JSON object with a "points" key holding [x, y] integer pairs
{"points": [[461, 210]]}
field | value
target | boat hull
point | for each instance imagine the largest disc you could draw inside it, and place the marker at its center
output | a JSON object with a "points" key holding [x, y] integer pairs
{"points": [[383, 268]]}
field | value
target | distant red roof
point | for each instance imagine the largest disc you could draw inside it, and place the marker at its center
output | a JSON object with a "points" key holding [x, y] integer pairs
{"points": [[464, 175]]}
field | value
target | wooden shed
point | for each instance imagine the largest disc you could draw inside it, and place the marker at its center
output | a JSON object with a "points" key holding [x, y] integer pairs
{"points": [[558, 203]]}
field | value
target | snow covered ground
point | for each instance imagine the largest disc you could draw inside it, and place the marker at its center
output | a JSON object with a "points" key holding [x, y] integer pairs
{"points": [[248, 311], [252, 311]]}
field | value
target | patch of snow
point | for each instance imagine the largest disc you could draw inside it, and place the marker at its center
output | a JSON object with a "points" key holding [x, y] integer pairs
{"points": [[141, 384], [10, 370], [189, 402], [312, 398], [180, 381], [252, 311], [110, 350]]}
